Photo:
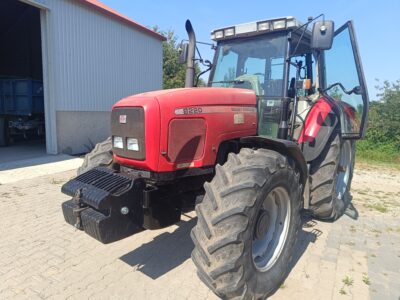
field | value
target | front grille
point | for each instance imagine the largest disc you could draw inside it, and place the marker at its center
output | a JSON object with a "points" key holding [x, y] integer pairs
{"points": [[130, 125]]}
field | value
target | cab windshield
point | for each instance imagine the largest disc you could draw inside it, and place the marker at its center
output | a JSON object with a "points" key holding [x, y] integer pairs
{"points": [[253, 63]]}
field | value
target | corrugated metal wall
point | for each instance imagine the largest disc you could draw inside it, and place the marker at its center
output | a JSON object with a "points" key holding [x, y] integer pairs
{"points": [[97, 60]]}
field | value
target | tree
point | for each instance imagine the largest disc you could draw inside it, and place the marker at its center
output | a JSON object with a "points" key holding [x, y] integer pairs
{"points": [[384, 115], [382, 140], [173, 72]]}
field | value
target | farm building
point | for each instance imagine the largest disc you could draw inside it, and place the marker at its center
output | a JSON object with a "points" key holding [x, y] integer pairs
{"points": [[63, 64]]}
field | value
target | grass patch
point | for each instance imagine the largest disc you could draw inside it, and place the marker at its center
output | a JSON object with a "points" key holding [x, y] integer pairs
{"points": [[348, 280], [366, 279], [386, 154], [363, 162], [378, 207], [395, 165]]}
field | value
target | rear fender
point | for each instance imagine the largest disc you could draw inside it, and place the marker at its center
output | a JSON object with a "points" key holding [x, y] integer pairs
{"points": [[348, 119], [287, 148], [319, 125]]}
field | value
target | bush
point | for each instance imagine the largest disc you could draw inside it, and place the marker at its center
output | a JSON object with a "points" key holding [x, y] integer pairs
{"points": [[379, 152], [382, 140]]}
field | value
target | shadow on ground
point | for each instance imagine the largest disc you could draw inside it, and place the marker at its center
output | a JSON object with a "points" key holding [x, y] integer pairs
{"points": [[305, 238], [169, 250], [307, 234], [164, 253]]}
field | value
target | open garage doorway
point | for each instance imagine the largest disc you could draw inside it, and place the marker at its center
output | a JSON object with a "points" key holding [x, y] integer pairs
{"points": [[22, 112]]}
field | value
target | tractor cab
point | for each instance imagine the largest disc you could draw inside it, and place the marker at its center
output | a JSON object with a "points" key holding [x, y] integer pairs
{"points": [[286, 66]]}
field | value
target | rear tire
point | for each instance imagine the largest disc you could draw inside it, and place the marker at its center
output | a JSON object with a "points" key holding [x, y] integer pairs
{"points": [[235, 223], [330, 179], [101, 155]]}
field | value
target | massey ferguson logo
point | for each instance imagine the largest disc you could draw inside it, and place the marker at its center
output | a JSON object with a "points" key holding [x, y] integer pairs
{"points": [[122, 119]]}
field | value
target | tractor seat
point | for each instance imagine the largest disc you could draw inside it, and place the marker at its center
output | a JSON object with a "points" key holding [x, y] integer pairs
{"points": [[250, 82]]}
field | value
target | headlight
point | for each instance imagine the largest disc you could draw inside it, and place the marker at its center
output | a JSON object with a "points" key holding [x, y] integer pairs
{"points": [[262, 26], [132, 144], [279, 24], [229, 32], [117, 142], [219, 34]]}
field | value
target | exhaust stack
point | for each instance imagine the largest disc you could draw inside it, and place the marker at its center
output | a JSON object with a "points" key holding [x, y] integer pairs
{"points": [[189, 78]]}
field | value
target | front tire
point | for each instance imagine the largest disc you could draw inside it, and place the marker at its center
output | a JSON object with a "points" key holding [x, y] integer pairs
{"points": [[101, 155], [248, 223]]}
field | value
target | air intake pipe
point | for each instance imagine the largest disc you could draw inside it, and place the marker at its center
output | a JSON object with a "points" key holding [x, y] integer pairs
{"points": [[189, 78]]}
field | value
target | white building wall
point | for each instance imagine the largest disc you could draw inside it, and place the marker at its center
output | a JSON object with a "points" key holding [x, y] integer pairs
{"points": [[97, 59], [90, 61]]}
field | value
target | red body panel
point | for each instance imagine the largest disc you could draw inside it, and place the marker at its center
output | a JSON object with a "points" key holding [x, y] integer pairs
{"points": [[228, 113], [314, 120]]}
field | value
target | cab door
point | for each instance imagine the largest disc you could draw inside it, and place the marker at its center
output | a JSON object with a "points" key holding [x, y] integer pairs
{"points": [[343, 65]]}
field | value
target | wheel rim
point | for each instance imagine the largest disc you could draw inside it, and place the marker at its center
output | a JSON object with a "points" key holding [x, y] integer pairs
{"points": [[344, 169], [271, 229]]}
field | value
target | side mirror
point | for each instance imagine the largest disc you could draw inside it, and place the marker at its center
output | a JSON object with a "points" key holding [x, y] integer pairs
{"points": [[322, 35], [183, 53]]}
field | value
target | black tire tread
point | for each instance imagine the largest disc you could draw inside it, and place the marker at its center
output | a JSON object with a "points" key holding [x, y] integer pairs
{"points": [[245, 172], [101, 155], [324, 203]]}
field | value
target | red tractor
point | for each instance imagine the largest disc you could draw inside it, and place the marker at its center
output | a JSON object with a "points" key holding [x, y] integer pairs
{"points": [[271, 136]]}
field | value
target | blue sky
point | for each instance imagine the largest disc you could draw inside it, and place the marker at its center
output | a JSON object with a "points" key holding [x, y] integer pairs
{"points": [[376, 23]]}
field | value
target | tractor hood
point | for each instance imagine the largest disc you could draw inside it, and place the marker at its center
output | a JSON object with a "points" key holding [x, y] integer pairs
{"points": [[167, 124], [184, 97]]}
